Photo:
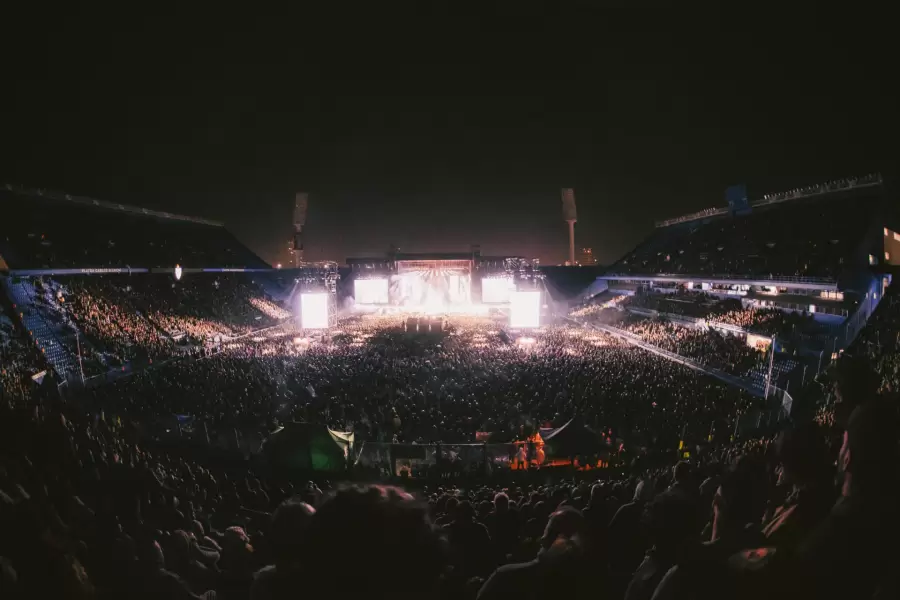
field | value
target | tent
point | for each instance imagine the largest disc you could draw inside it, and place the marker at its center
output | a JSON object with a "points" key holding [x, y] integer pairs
{"points": [[308, 447], [572, 438]]}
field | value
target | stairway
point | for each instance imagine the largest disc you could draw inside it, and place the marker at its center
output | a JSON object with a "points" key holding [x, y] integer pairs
{"points": [[21, 293]]}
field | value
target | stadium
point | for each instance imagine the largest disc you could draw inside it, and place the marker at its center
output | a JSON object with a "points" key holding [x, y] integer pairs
{"points": [[177, 358]]}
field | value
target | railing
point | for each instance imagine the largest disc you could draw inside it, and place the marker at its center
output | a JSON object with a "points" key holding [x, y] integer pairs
{"points": [[707, 212], [722, 276], [42, 335], [870, 180], [420, 461], [745, 424]]}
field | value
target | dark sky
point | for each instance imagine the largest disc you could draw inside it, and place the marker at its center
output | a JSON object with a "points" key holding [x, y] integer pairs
{"points": [[435, 129]]}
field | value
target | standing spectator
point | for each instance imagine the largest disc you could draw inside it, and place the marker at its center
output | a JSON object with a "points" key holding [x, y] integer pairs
{"points": [[558, 571], [670, 520], [470, 543], [627, 535], [597, 520], [287, 540], [503, 526], [372, 542]]}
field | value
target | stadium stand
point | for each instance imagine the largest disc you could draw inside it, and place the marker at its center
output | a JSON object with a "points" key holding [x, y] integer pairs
{"points": [[20, 359], [40, 231], [812, 237], [561, 461], [728, 311], [43, 333]]}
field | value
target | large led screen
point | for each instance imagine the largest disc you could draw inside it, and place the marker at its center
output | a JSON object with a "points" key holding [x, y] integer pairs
{"points": [[430, 290], [524, 309], [371, 291], [496, 290], [314, 311]]}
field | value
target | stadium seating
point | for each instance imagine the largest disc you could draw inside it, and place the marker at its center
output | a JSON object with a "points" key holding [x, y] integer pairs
{"points": [[815, 237], [729, 311], [557, 462], [37, 232], [47, 340]]}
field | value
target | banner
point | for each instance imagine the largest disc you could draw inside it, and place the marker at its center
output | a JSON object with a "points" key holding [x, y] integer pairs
{"points": [[89, 271]]}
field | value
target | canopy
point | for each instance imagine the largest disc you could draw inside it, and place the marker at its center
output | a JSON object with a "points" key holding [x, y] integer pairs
{"points": [[309, 447]]}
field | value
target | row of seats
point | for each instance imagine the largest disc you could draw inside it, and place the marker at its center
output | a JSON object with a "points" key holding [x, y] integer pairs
{"points": [[21, 294]]}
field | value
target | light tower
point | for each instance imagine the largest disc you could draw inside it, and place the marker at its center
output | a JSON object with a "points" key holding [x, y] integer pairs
{"points": [[570, 217], [301, 201]]}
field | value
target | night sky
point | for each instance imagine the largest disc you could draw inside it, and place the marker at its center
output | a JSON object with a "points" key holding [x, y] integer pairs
{"points": [[436, 129]]}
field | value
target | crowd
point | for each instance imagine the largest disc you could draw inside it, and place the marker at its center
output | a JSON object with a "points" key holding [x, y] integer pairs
{"points": [[206, 306], [729, 353], [708, 346], [879, 342], [769, 321], [122, 318], [730, 311], [95, 503], [19, 362], [387, 384], [821, 188], [88, 511], [101, 313]]}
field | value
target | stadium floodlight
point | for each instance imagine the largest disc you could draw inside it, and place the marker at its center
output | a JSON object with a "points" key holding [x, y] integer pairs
{"points": [[524, 309], [177, 272], [314, 310]]}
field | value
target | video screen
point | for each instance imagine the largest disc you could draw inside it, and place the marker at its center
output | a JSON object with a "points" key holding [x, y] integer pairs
{"points": [[496, 290], [314, 311], [371, 291], [431, 290], [524, 309]]}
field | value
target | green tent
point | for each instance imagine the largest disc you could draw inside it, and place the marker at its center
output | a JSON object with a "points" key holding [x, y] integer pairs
{"points": [[308, 447]]}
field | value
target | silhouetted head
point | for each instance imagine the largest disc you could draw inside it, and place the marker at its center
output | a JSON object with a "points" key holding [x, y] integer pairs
{"points": [[360, 536]]}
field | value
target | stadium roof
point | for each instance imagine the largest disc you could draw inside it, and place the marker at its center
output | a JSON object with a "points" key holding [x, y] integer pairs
{"points": [[814, 239], [40, 230], [102, 204], [839, 185]]}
